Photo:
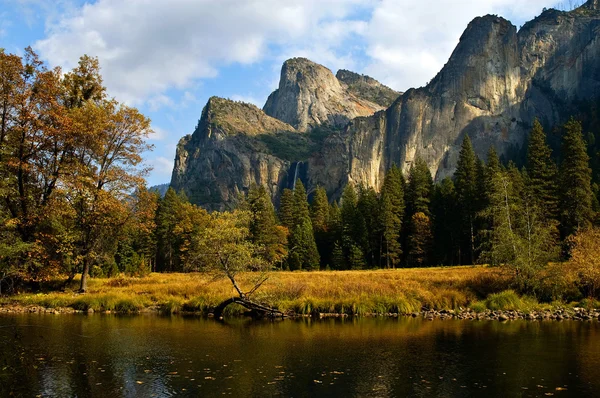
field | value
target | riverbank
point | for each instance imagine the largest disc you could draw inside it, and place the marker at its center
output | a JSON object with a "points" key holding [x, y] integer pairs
{"points": [[448, 292]]}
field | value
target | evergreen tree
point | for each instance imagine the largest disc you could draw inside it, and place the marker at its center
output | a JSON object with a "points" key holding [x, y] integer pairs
{"points": [[301, 209], [542, 171], [445, 220], [419, 189], [320, 210], [575, 181], [304, 253], [352, 223], [420, 240], [465, 181], [286, 209], [263, 226], [166, 221], [369, 230], [338, 260], [356, 257], [391, 216]]}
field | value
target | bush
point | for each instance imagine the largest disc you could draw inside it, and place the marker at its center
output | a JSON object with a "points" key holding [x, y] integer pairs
{"points": [[503, 301]]}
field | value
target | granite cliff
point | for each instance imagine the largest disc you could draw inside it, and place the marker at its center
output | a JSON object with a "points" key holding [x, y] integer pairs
{"points": [[331, 130]]}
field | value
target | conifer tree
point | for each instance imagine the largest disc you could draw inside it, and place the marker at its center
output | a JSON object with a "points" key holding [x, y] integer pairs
{"points": [[320, 210], [465, 181], [166, 221], [419, 188], [369, 230], [286, 209], [301, 211], [575, 181], [263, 228], [542, 171], [445, 219], [391, 216], [420, 240], [303, 253]]}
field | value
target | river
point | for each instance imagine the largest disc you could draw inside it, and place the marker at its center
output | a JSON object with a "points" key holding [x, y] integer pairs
{"points": [[149, 355]]}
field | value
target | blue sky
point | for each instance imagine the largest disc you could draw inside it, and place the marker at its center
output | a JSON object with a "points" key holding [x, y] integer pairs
{"points": [[167, 57]]}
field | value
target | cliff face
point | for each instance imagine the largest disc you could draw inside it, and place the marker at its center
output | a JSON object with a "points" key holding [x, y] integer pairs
{"points": [[227, 153], [493, 86], [351, 128], [310, 95]]}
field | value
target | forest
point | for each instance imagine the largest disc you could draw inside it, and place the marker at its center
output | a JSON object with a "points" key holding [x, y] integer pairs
{"points": [[73, 201]]}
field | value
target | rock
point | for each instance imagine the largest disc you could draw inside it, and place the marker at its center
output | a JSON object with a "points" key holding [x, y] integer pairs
{"points": [[90, 310], [502, 317], [495, 83], [310, 95]]}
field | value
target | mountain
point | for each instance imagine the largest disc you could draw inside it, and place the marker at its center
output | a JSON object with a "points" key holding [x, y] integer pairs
{"points": [[161, 189], [330, 130]]}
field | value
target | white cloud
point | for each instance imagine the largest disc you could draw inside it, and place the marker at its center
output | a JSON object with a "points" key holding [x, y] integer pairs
{"points": [[146, 47], [159, 134], [409, 42], [162, 167], [248, 99]]}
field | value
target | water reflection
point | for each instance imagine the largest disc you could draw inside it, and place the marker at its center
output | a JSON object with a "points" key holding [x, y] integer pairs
{"points": [[107, 355]]}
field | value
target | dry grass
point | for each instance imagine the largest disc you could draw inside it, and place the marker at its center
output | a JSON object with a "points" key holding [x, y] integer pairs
{"points": [[348, 292]]}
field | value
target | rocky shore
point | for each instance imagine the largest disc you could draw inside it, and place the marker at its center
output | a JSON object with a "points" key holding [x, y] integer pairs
{"points": [[559, 314]]}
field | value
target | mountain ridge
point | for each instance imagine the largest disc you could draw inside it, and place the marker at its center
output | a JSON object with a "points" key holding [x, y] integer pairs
{"points": [[496, 81]]}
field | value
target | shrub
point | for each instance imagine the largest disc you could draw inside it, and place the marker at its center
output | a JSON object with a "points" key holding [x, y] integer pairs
{"points": [[503, 301]]}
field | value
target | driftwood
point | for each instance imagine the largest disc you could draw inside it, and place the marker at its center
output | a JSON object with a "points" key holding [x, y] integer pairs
{"points": [[256, 307]]}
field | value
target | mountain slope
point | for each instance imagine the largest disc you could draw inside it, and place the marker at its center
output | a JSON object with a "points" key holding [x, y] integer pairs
{"points": [[330, 130]]}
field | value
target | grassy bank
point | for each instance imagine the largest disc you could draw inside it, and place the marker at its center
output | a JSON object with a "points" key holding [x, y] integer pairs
{"points": [[399, 291]]}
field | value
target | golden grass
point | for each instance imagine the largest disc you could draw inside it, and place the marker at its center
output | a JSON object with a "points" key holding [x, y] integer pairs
{"points": [[400, 291]]}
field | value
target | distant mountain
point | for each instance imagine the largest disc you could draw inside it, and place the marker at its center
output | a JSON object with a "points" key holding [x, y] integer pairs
{"points": [[161, 189], [330, 130]]}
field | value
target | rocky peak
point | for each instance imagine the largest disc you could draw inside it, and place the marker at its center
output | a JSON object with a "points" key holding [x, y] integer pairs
{"points": [[234, 117], [310, 95], [367, 88], [592, 5]]}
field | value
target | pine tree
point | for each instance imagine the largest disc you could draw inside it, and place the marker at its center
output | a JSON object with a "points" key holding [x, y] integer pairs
{"points": [[263, 226], [445, 219], [542, 171], [369, 230], [352, 222], [391, 216], [465, 181], [419, 189], [304, 253], [286, 209], [420, 240], [575, 178], [338, 260], [301, 209], [319, 210], [166, 221]]}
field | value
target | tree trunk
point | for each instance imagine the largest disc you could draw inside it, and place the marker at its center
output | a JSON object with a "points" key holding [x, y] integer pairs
{"points": [[84, 276], [271, 312]]}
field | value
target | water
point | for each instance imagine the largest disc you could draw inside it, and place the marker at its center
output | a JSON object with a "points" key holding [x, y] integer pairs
{"points": [[148, 355]]}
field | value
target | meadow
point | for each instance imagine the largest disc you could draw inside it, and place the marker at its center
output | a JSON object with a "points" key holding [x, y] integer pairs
{"points": [[399, 291]]}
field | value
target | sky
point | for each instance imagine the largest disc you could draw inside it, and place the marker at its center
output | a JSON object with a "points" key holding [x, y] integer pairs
{"points": [[167, 57]]}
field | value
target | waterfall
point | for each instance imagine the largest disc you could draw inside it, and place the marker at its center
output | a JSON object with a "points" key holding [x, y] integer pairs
{"points": [[295, 176]]}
